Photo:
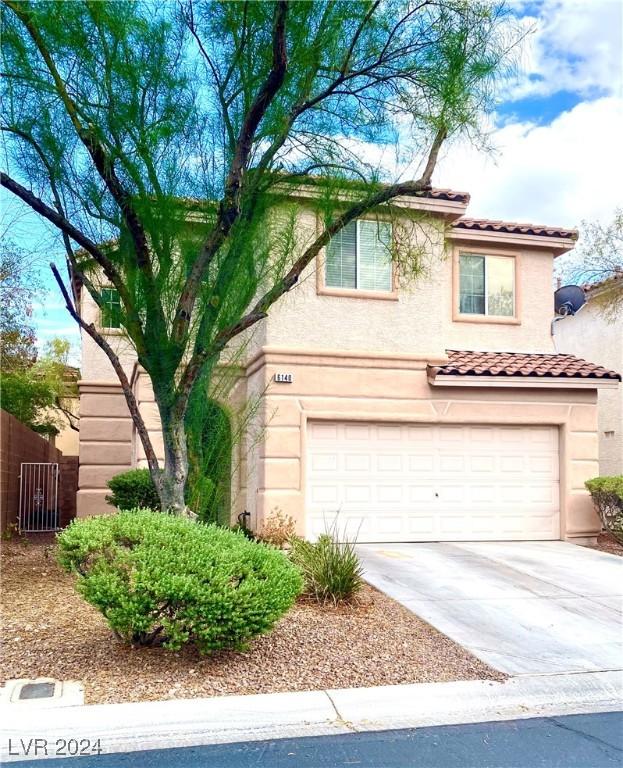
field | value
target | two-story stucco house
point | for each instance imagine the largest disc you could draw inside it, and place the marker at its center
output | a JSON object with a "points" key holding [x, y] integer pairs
{"points": [[425, 409], [599, 336]]}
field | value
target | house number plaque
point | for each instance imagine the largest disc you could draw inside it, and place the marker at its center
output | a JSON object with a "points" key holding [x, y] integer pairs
{"points": [[284, 378]]}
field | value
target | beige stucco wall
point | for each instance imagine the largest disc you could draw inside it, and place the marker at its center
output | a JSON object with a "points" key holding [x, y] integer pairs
{"points": [[420, 320], [396, 389], [590, 336], [105, 443], [67, 440]]}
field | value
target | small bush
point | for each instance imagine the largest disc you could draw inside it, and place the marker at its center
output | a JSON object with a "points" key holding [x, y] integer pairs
{"points": [[331, 569], [607, 495], [164, 580], [133, 490], [278, 529]]}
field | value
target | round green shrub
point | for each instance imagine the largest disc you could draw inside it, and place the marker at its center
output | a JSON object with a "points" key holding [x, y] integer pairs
{"points": [[607, 495], [164, 580], [133, 490]]}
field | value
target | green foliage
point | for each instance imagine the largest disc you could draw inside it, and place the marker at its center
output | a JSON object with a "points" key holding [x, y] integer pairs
{"points": [[607, 495], [18, 288], [209, 443], [246, 532], [37, 394], [331, 569], [133, 489], [163, 580]]}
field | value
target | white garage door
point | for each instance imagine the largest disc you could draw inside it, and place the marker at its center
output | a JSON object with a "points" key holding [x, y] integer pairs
{"points": [[408, 482]]}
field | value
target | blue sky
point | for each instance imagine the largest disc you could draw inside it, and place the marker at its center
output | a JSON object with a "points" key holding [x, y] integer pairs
{"points": [[556, 136]]}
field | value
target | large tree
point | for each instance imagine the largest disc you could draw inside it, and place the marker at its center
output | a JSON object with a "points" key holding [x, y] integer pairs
{"points": [[597, 263], [19, 285], [159, 138]]}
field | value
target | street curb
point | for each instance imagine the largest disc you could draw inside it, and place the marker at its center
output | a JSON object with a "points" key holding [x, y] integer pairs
{"points": [[229, 719]]}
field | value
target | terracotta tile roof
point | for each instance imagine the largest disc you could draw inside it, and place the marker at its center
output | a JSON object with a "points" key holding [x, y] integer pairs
{"points": [[463, 363], [607, 281], [438, 193], [448, 194], [515, 228]]}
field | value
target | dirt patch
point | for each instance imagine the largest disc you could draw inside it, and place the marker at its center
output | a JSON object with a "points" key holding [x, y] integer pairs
{"points": [[48, 630], [607, 543]]}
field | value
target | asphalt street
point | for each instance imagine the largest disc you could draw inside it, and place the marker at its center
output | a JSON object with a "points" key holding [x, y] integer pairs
{"points": [[589, 741]]}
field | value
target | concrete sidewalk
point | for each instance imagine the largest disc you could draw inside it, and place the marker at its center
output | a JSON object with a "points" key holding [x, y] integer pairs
{"points": [[230, 719]]}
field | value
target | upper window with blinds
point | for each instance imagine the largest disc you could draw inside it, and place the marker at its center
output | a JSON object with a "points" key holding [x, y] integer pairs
{"points": [[359, 257]]}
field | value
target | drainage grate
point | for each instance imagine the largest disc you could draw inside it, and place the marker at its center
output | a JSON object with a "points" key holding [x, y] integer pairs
{"points": [[37, 691], [41, 693]]}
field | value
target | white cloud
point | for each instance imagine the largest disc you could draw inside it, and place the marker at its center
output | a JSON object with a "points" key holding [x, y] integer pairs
{"points": [[555, 174], [576, 46]]}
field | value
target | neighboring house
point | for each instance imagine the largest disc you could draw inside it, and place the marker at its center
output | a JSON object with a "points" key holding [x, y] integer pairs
{"points": [[68, 438], [419, 410], [65, 416], [598, 336]]}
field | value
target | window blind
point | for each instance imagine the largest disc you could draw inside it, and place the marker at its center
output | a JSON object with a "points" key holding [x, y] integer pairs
{"points": [[375, 263], [341, 258], [359, 256]]}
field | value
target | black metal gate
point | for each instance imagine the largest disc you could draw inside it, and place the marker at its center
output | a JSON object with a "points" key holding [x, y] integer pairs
{"points": [[38, 497]]}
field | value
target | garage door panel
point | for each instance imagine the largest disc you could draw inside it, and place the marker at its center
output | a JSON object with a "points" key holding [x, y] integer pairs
{"points": [[418, 494], [420, 463], [389, 494], [480, 436], [324, 462], [389, 462], [357, 462], [385, 433], [323, 431], [357, 432], [420, 524], [394, 482], [357, 494]]}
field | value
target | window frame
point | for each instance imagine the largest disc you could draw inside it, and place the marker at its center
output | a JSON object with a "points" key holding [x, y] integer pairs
{"points": [[463, 317], [109, 329], [323, 289]]}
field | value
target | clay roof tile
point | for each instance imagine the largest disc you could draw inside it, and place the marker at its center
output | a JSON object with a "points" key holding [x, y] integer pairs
{"points": [[514, 227], [520, 364]]}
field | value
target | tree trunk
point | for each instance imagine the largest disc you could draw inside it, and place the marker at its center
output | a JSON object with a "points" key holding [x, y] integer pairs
{"points": [[172, 480]]}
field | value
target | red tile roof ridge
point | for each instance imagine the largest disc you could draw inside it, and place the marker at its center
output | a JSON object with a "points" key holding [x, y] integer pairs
{"points": [[515, 227], [520, 364]]}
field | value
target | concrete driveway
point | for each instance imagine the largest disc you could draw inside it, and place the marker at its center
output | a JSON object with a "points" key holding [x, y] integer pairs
{"points": [[522, 607]]}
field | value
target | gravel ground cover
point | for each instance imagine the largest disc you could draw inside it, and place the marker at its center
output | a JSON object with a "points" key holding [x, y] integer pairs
{"points": [[47, 630], [607, 543]]}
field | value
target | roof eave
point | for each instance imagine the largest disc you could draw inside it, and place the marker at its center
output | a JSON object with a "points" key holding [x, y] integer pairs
{"points": [[520, 382], [552, 244], [452, 210]]}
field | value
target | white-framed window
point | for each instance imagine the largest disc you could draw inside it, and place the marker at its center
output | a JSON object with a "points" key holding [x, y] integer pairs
{"points": [[359, 257], [111, 308], [486, 285]]}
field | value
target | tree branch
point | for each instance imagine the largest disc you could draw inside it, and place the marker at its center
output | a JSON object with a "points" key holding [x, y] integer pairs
{"points": [[229, 209], [61, 223], [72, 419], [101, 342], [66, 227], [95, 148], [260, 310]]}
